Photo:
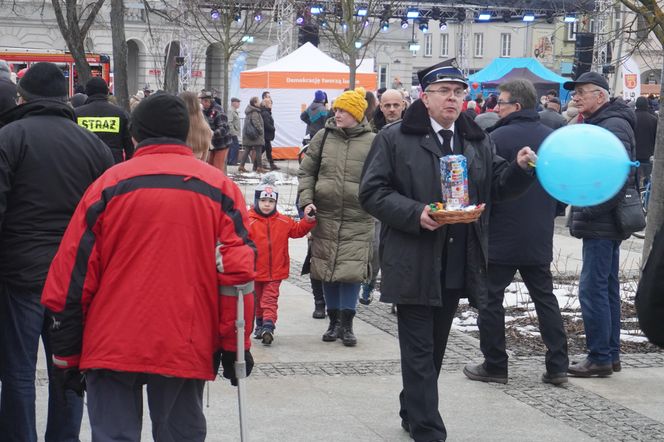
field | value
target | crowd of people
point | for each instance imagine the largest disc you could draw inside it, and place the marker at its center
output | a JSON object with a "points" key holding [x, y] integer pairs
{"points": [[106, 215]]}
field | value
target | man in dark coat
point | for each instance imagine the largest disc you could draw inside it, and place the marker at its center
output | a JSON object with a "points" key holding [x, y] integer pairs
{"points": [[649, 295], [645, 133], [525, 220], [599, 286], [270, 130], [221, 134], [7, 88], [426, 266], [108, 121], [46, 163], [550, 116]]}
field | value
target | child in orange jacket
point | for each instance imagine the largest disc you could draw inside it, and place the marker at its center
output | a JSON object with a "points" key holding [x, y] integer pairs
{"points": [[270, 231]]}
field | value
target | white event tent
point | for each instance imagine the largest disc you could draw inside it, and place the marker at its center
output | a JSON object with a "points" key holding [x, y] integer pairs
{"points": [[292, 81]]}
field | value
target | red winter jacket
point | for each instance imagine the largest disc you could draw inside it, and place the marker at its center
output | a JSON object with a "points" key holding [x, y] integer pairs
{"points": [[134, 286], [270, 234]]}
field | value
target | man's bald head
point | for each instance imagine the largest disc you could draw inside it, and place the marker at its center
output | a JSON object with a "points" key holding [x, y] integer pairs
{"points": [[392, 105]]}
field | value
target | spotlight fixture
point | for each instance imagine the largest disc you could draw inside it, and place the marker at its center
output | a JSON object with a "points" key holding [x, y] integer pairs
{"points": [[435, 13], [507, 16], [322, 22], [413, 46], [248, 39], [237, 17], [344, 25], [215, 14], [258, 15], [569, 18], [412, 13], [299, 20], [316, 9], [362, 11], [528, 16], [424, 25], [484, 16], [404, 23], [461, 14], [384, 26], [358, 44], [442, 25]]}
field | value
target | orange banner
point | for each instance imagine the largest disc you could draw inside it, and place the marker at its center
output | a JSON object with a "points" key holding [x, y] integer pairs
{"points": [[304, 80], [285, 153]]}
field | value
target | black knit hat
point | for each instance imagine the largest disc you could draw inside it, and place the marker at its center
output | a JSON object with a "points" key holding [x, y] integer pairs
{"points": [[43, 80], [160, 115], [96, 85]]}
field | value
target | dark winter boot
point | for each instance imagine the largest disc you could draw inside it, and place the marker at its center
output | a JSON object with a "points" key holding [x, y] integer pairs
{"points": [[319, 311], [258, 330], [267, 335], [365, 295], [332, 332], [346, 331]]}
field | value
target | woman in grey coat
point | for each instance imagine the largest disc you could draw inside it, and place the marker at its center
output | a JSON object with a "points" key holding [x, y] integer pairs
{"points": [[253, 135]]}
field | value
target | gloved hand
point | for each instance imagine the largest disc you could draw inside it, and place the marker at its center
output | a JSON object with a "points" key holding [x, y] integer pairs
{"points": [[228, 363], [67, 379]]}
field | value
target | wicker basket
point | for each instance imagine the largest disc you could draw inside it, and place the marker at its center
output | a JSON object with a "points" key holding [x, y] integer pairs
{"points": [[457, 216]]}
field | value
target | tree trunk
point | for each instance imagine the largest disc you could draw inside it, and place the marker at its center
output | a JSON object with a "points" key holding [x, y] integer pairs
{"points": [[83, 71], [170, 68], [656, 202], [224, 90], [352, 66], [120, 87]]}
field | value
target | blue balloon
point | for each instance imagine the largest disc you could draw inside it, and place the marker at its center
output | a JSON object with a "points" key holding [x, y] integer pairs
{"points": [[582, 165]]}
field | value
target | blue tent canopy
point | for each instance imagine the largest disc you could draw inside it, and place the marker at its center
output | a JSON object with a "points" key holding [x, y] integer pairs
{"points": [[500, 67]]}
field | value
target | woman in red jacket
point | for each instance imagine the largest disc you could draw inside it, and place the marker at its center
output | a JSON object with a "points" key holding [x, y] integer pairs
{"points": [[270, 231]]}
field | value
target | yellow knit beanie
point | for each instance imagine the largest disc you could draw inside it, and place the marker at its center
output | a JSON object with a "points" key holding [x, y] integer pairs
{"points": [[353, 102]]}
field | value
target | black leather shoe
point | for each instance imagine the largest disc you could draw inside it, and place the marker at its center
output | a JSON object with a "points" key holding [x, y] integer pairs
{"points": [[616, 365], [479, 373], [554, 378], [587, 368]]}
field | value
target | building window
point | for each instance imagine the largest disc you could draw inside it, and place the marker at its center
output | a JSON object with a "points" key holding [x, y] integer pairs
{"points": [[479, 45], [506, 45], [428, 46], [572, 28], [444, 45], [382, 75]]}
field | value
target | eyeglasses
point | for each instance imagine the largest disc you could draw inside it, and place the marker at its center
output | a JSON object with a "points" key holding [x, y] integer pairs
{"points": [[581, 92], [503, 103], [445, 92]]}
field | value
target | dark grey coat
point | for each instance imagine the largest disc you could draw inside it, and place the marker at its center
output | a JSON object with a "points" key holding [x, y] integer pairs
{"points": [[401, 176], [598, 222]]}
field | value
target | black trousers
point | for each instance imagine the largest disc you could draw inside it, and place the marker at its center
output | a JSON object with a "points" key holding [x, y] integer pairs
{"points": [[115, 406], [491, 321], [423, 333]]}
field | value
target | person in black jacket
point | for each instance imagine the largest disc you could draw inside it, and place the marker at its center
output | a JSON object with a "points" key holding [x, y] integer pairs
{"points": [[268, 124], [599, 286], [46, 163], [108, 121], [426, 267], [221, 133], [650, 296], [525, 220], [645, 133], [7, 88]]}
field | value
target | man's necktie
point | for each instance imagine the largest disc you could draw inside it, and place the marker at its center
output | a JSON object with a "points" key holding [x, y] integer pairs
{"points": [[447, 141]]}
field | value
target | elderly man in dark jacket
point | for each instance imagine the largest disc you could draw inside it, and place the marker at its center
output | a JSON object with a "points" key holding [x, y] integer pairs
{"points": [[525, 220], [46, 163], [599, 286], [427, 267], [108, 121], [645, 133]]}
